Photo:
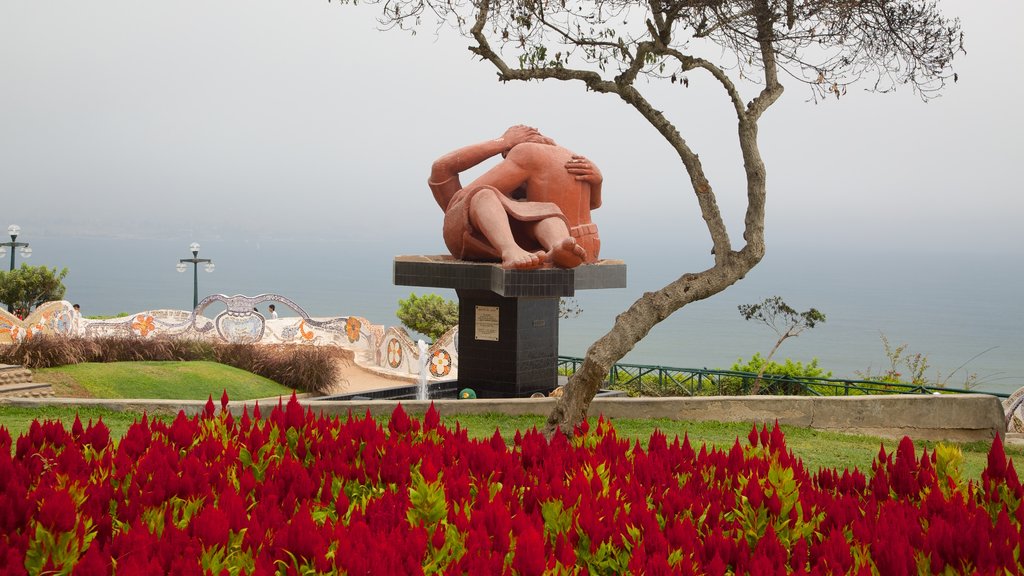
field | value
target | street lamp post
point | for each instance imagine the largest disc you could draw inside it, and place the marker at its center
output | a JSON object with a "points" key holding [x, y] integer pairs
{"points": [[26, 252], [195, 260]]}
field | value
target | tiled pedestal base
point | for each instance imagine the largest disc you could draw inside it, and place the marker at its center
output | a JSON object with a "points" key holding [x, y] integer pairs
{"points": [[508, 319]]}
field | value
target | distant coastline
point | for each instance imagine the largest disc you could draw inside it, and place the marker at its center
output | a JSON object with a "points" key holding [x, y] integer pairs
{"points": [[949, 307]]}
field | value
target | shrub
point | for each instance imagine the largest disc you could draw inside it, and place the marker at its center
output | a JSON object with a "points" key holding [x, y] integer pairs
{"points": [[30, 286], [431, 314], [188, 349], [789, 369], [777, 378], [48, 351], [310, 368]]}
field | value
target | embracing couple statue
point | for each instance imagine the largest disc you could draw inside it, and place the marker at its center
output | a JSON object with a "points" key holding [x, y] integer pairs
{"points": [[530, 210]]}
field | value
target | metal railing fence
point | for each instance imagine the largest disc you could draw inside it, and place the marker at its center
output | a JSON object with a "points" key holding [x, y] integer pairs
{"points": [[652, 380]]}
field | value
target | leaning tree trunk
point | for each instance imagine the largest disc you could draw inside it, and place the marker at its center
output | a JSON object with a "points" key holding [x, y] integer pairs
{"points": [[632, 326], [730, 266]]}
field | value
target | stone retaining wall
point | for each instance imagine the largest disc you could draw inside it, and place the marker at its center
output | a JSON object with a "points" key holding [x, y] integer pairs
{"points": [[959, 418]]}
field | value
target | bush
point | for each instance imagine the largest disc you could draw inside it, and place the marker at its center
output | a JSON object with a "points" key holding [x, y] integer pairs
{"points": [[49, 351], [777, 378], [29, 286], [431, 315], [309, 368]]}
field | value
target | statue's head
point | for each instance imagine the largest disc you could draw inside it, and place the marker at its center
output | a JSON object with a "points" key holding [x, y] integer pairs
{"points": [[538, 139]]}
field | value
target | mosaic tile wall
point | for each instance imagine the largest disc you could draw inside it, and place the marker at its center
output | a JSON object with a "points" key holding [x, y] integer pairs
{"points": [[384, 348]]}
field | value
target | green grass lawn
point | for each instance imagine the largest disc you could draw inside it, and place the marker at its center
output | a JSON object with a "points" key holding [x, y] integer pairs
{"points": [[817, 449], [158, 380], [199, 380], [17, 419]]}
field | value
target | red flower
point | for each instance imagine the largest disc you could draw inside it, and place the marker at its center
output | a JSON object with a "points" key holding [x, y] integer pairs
{"points": [[211, 527], [439, 537], [529, 559], [95, 562], [996, 469], [432, 419], [57, 511], [400, 423]]}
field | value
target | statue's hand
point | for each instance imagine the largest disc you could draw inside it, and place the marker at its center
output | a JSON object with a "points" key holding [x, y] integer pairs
{"points": [[520, 134], [584, 170]]}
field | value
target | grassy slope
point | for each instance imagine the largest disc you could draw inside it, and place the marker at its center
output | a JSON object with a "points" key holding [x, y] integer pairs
{"points": [[184, 380]]}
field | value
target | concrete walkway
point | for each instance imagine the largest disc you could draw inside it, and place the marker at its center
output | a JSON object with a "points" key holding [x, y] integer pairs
{"points": [[355, 378]]}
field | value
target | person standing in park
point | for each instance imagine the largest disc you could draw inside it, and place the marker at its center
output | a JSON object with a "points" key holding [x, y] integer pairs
{"points": [[76, 320], [273, 312]]}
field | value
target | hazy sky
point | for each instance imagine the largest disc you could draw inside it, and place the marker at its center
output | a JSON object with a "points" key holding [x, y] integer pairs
{"points": [[299, 119]]}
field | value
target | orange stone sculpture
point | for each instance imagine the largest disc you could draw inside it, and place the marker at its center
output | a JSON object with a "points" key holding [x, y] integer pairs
{"points": [[531, 210]]}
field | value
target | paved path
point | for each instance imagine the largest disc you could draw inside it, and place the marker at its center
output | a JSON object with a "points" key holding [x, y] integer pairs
{"points": [[355, 378]]}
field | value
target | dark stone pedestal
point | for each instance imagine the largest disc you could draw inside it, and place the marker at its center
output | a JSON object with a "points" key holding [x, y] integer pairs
{"points": [[508, 319], [521, 358]]}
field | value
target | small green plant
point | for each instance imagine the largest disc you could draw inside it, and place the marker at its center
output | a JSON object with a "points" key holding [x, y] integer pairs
{"points": [[783, 378], [108, 317], [906, 367], [789, 368], [430, 315]]}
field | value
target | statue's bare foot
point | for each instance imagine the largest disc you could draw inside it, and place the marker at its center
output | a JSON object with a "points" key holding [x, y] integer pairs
{"points": [[567, 254], [523, 260]]}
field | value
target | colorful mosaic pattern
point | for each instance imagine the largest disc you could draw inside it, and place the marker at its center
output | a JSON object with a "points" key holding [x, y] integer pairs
{"points": [[389, 348], [352, 329], [55, 318], [440, 364], [394, 353], [143, 325], [1013, 409]]}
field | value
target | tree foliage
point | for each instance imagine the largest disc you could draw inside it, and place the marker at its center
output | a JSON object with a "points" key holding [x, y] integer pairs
{"points": [[26, 287], [781, 317], [431, 314], [623, 47]]}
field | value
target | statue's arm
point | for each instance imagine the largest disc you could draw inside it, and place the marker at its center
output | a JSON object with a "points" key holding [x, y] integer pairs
{"points": [[444, 173], [506, 177], [583, 170]]}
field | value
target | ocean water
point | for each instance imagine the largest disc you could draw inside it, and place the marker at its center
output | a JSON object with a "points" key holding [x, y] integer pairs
{"points": [[961, 310]]}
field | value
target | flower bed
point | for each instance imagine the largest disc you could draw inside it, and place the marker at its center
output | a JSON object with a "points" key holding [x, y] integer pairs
{"points": [[297, 494]]}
